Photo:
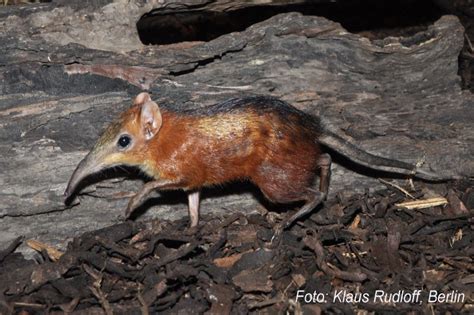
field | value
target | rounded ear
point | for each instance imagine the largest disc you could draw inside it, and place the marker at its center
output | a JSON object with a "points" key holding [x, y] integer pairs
{"points": [[150, 119], [142, 98]]}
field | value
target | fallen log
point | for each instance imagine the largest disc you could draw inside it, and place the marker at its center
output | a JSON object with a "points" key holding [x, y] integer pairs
{"points": [[67, 69]]}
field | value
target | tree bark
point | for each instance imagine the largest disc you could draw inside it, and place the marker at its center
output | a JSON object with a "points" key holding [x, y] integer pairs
{"points": [[68, 68]]}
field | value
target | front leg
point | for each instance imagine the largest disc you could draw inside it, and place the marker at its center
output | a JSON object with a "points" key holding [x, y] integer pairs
{"points": [[193, 207], [136, 200], [324, 163]]}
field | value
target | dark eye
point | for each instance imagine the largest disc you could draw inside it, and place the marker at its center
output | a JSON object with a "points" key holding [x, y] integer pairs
{"points": [[124, 141]]}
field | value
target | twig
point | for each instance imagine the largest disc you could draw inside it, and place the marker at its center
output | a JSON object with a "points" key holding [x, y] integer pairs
{"points": [[144, 306], [31, 305], [397, 187], [422, 204], [240, 88], [102, 299], [471, 48], [97, 291]]}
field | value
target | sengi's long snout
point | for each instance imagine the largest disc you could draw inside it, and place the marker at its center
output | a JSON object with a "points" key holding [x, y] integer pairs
{"points": [[86, 167]]}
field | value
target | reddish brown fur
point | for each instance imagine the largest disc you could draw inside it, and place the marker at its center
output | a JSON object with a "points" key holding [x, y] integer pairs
{"points": [[260, 139], [196, 151]]}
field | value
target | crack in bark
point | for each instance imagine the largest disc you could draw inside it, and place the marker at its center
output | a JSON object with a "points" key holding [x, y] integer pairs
{"points": [[204, 62]]}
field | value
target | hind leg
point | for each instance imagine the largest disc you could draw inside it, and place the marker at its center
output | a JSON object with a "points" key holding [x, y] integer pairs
{"points": [[314, 198], [324, 163], [311, 203]]}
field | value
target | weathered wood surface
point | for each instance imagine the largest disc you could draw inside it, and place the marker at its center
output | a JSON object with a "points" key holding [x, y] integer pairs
{"points": [[66, 72]]}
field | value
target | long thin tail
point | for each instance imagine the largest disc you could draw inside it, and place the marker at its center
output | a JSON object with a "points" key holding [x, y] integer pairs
{"points": [[332, 140]]}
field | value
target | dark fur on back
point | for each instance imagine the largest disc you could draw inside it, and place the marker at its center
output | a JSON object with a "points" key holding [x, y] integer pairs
{"points": [[261, 105]]}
